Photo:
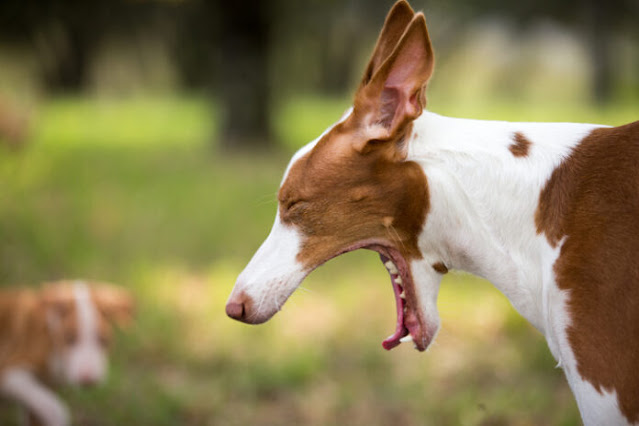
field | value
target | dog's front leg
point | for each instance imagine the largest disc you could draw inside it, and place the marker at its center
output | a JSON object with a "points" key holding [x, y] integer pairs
{"points": [[40, 402]]}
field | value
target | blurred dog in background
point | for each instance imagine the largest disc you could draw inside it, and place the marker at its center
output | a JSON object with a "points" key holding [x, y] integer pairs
{"points": [[58, 333]]}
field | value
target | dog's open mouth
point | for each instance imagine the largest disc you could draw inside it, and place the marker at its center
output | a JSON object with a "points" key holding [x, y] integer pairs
{"points": [[410, 323]]}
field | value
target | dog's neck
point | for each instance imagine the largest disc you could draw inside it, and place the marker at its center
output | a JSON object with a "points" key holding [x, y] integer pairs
{"points": [[483, 199]]}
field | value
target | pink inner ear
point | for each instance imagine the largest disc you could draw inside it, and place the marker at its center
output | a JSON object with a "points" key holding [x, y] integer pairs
{"points": [[407, 66], [397, 105], [389, 104], [399, 98]]}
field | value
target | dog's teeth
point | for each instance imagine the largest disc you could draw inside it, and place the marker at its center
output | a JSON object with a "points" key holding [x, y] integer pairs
{"points": [[391, 267], [403, 295], [405, 339], [398, 280]]}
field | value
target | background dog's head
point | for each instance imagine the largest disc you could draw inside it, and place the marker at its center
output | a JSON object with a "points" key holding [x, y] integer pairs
{"points": [[79, 319]]}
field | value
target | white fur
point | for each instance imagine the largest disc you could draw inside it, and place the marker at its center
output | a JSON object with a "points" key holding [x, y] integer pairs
{"points": [[274, 271], [21, 385], [86, 359], [427, 282], [483, 203], [483, 199]]}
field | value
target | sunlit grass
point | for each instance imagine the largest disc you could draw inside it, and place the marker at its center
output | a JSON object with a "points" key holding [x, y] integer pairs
{"points": [[137, 122], [134, 192]]}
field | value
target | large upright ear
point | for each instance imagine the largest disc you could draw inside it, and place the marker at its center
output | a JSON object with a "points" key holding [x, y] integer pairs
{"points": [[395, 24], [395, 94]]}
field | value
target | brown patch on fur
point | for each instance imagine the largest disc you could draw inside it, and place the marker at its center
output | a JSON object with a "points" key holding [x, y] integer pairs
{"points": [[337, 197], [439, 267], [592, 199], [521, 145]]}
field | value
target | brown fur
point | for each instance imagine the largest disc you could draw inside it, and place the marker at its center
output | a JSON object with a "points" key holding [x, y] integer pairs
{"points": [[592, 199], [395, 24], [24, 337], [337, 197], [26, 340], [521, 145]]}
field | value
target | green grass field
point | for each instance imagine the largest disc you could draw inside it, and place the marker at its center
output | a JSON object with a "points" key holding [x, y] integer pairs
{"points": [[134, 192]]}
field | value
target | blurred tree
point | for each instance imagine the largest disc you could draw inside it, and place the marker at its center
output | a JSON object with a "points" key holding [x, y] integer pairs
{"points": [[57, 32], [598, 20], [64, 34], [249, 54], [244, 77]]}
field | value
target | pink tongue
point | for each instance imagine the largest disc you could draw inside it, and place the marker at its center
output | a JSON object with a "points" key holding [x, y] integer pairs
{"points": [[393, 340], [400, 329]]}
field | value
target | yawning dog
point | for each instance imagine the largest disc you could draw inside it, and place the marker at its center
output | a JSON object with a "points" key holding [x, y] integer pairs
{"points": [[548, 212]]}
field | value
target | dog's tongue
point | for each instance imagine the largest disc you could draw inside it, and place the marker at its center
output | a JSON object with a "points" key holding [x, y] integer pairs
{"points": [[400, 304], [392, 341], [409, 327]]}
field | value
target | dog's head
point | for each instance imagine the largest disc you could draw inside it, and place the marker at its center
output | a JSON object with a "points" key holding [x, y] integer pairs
{"points": [[352, 188], [79, 319]]}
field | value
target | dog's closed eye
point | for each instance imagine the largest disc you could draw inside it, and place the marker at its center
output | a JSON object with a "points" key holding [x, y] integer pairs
{"points": [[292, 205]]}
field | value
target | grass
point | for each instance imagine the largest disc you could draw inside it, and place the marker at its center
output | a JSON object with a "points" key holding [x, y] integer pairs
{"points": [[132, 191]]}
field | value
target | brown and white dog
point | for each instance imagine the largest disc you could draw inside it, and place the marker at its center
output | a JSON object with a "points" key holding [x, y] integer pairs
{"points": [[58, 333], [548, 212]]}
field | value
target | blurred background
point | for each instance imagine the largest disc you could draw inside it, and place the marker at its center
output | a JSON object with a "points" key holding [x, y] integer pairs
{"points": [[143, 141]]}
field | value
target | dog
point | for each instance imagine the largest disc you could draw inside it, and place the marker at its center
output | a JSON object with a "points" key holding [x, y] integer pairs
{"points": [[548, 212], [57, 333]]}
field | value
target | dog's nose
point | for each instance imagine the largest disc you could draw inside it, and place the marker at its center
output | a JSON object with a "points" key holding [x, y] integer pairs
{"points": [[235, 310], [87, 379], [238, 306], [241, 307]]}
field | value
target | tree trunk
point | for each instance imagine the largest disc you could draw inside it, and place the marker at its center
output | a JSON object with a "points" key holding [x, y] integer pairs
{"points": [[244, 79], [600, 51]]}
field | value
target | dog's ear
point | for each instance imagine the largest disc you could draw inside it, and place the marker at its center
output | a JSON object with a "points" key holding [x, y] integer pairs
{"points": [[395, 24], [115, 303], [395, 94]]}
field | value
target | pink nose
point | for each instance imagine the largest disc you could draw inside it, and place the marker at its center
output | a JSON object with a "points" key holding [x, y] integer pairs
{"points": [[235, 310], [241, 307], [87, 379]]}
